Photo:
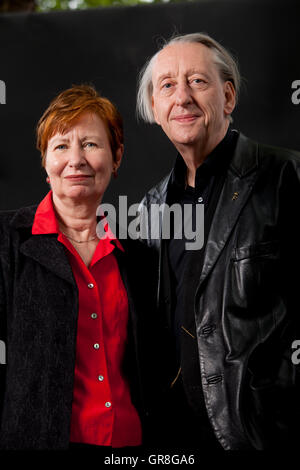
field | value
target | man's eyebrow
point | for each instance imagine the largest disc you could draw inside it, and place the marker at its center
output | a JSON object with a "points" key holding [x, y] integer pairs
{"points": [[192, 71], [163, 76], [197, 71]]}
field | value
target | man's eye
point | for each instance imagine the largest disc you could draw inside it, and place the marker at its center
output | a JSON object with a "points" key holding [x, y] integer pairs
{"points": [[167, 85], [198, 81]]}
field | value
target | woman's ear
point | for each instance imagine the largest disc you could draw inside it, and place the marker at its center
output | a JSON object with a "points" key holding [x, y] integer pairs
{"points": [[118, 157]]}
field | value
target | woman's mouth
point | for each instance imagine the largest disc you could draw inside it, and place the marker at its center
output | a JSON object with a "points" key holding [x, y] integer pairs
{"points": [[77, 177]]}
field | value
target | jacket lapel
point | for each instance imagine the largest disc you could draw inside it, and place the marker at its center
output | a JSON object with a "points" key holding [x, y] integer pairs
{"points": [[238, 185], [47, 251], [44, 249]]}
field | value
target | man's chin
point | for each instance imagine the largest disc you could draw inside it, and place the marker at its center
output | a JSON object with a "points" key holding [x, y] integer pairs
{"points": [[189, 139]]}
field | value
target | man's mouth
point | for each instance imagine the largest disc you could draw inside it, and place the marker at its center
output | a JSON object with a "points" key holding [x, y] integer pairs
{"points": [[185, 118]]}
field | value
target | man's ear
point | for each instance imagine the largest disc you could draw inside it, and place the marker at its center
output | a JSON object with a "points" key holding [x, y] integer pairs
{"points": [[230, 98], [154, 111]]}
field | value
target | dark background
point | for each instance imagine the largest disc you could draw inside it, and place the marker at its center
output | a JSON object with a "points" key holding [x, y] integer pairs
{"points": [[43, 53]]}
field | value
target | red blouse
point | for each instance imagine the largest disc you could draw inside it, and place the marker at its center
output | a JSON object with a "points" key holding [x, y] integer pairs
{"points": [[102, 411]]}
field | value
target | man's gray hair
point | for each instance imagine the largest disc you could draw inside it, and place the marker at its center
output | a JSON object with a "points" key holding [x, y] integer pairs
{"points": [[225, 62]]}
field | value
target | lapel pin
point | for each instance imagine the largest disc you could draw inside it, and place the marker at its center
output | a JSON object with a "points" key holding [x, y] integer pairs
{"points": [[235, 196]]}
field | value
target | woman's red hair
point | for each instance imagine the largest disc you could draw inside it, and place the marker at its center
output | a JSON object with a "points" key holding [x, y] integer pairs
{"points": [[68, 106]]}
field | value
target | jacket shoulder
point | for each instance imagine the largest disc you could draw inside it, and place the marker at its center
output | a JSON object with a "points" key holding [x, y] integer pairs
{"points": [[280, 153], [284, 161], [158, 192], [250, 155], [6, 216], [156, 195], [17, 218]]}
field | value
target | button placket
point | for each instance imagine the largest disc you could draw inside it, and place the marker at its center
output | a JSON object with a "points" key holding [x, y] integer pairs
{"points": [[95, 313]]}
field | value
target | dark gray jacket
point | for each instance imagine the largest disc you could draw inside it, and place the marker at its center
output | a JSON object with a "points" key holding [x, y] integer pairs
{"points": [[246, 304], [38, 321]]}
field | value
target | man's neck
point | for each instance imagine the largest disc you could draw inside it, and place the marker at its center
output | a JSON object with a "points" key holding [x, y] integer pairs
{"points": [[195, 155]]}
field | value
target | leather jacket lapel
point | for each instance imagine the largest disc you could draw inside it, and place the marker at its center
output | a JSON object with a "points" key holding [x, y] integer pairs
{"points": [[237, 187]]}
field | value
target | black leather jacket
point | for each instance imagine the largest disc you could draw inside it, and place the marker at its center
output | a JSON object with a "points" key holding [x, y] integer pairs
{"points": [[247, 301]]}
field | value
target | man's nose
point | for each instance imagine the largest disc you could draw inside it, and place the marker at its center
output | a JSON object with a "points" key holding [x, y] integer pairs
{"points": [[183, 94], [77, 155]]}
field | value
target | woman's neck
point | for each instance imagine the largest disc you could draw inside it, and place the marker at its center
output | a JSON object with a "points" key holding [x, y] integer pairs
{"points": [[76, 219]]}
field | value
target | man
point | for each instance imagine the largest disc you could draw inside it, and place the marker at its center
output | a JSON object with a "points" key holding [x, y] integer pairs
{"points": [[229, 310]]}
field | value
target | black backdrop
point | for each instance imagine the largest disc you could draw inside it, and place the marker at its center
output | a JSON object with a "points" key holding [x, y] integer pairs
{"points": [[44, 53]]}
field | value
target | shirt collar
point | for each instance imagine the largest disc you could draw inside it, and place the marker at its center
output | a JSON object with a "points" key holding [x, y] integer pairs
{"points": [[45, 222], [216, 162]]}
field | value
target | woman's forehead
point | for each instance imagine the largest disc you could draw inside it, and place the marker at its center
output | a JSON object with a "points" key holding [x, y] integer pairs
{"points": [[86, 123]]}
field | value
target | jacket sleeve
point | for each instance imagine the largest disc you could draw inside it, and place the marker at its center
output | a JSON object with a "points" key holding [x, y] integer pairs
{"points": [[288, 379], [3, 355], [149, 220], [144, 221]]}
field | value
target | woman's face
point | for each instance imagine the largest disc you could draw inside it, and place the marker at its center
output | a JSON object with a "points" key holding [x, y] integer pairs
{"points": [[79, 163]]}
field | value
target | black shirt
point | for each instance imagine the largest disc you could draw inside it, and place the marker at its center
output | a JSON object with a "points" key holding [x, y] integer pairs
{"points": [[185, 422], [208, 185]]}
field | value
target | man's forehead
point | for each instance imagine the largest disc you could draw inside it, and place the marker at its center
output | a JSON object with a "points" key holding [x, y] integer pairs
{"points": [[192, 55]]}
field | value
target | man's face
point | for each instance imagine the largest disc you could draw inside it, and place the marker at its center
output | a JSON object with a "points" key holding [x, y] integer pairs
{"points": [[190, 101]]}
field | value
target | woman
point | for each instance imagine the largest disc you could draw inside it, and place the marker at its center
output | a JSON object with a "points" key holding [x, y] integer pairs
{"points": [[63, 305]]}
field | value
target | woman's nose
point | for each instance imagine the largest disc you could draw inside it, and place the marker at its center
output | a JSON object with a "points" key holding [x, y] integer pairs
{"points": [[77, 156]]}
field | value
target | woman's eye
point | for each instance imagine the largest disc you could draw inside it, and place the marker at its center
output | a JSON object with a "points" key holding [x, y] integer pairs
{"points": [[167, 85], [61, 147], [89, 144]]}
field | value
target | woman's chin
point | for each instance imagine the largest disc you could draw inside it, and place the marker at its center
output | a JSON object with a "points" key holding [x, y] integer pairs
{"points": [[82, 193]]}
